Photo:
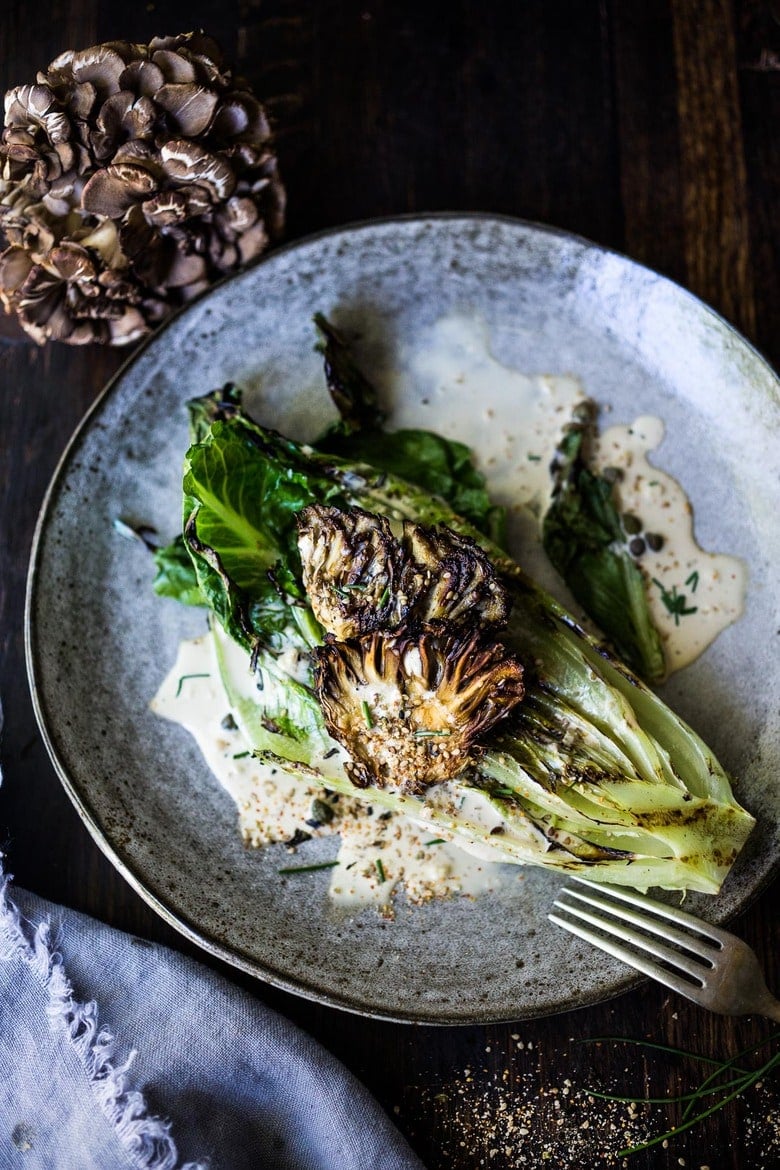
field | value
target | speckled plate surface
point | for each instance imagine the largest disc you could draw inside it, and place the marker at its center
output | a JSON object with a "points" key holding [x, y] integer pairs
{"points": [[100, 642]]}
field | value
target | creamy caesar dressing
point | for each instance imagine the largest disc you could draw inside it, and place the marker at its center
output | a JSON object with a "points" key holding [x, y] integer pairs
{"points": [[451, 381], [380, 851], [693, 594], [271, 804], [512, 422]]}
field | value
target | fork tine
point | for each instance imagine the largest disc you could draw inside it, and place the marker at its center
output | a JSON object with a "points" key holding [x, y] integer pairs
{"points": [[630, 957], [698, 946], [650, 905], [665, 954]]}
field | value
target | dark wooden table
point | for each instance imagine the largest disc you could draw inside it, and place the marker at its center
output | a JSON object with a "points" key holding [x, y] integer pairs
{"points": [[646, 125]]}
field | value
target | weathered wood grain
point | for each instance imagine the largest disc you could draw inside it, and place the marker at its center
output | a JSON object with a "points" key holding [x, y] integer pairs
{"points": [[712, 158]]}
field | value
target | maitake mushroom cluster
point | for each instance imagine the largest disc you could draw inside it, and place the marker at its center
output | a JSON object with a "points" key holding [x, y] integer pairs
{"points": [[131, 177], [411, 675]]}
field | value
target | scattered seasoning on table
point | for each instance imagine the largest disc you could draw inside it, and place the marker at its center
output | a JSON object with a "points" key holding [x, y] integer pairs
{"points": [[515, 1118]]}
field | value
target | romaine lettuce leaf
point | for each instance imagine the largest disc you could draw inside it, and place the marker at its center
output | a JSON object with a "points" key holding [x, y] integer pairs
{"points": [[176, 576], [584, 537], [441, 466], [591, 771]]}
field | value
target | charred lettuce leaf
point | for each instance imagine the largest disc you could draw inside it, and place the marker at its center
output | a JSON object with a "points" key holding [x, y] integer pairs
{"points": [[176, 576], [243, 490], [591, 772], [441, 466], [584, 537], [354, 397]]}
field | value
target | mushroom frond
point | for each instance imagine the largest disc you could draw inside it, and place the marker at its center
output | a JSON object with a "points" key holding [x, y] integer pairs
{"points": [[351, 569], [359, 577], [449, 578], [409, 708]]}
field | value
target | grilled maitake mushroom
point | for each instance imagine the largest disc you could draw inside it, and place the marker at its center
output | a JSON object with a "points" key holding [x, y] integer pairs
{"points": [[409, 708], [351, 569], [408, 679], [449, 578], [359, 577], [131, 177]]}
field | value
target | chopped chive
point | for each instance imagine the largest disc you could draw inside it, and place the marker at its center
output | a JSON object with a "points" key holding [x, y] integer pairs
{"points": [[504, 791], [693, 580], [534, 458], [435, 841], [674, 602], [380, 869], [364, 707], [184, 678], [308, 868], [241, 755], [425, 734], [383, 600]]}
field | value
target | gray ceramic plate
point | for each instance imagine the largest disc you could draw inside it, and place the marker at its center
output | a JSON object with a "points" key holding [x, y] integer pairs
{"points": [[99, 641]]}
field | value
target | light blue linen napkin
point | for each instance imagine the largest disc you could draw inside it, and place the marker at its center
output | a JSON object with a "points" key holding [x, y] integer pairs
{"points": [[117, 1053]]}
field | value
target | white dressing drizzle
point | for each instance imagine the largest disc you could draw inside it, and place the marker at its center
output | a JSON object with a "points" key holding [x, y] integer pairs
{"points": [[380, 851], [511, 421], [711, 584]]}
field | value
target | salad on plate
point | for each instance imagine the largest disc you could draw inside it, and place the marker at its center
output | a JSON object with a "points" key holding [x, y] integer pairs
{"points": [[377, 647]]}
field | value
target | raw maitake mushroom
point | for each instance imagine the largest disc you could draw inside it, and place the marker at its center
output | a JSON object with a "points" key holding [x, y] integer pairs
{"points": [[131, 177]]}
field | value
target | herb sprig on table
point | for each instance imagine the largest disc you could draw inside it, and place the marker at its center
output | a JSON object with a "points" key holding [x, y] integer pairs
{"points": [[726, 1080]]}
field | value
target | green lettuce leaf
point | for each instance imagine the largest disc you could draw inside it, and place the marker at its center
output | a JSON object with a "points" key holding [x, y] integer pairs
{"points": [[584, 537], [592, 771], [176, 576], [441, 466]]}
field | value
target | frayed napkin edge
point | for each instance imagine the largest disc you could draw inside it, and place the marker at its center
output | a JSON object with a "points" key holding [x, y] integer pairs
{"points": [[145, 1138]]}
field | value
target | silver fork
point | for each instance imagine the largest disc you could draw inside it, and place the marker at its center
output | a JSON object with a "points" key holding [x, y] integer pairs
{"points": [[712, 967]]}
